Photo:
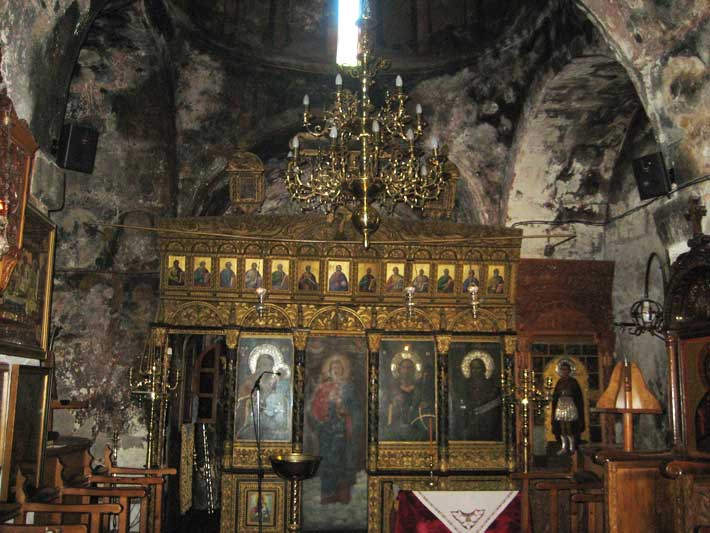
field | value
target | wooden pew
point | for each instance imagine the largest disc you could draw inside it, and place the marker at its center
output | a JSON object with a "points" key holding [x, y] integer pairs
{"points": [[95, 511]]}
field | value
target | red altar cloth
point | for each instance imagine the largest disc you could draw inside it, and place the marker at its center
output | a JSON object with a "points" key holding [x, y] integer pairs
{"points": [[413, 517]]}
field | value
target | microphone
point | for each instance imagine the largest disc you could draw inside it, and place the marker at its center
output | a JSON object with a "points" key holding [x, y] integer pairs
{"points": [[258, 380]]}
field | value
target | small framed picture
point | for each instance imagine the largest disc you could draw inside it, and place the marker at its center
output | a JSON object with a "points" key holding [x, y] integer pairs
{"points": [[339, 276], [255, 516], [253, 273], [421, 272], [227, 273], [268, 508], [202, 273], [368, 277], [472, 276], [496, 281], [394, 278], [175, 274], [445, 273], [308, 275], [280, 275]]}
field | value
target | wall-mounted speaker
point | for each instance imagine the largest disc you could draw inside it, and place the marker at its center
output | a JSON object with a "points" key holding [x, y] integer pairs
{"points": [[652, 178], [77, 148]]}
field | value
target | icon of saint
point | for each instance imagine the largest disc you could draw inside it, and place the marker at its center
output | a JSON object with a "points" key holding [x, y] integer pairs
{"points": [[479, 415], [337, 416], [202, 276], [496, 284], [308, 281], [395, 283], [275, 409], [470, 280], [408, 405], [421, 282], [227, 277], [279, 279], [252, 278], [176, 275], [368, 283], [338, 280], [445, 283]]}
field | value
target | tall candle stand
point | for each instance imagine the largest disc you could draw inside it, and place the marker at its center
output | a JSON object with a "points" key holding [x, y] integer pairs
{"points": [[155, 386], [525, 394]]}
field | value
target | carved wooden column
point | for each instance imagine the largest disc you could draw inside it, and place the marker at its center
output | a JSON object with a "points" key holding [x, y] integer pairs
{"points": [[230, 384], [300, 340], [510, 347], [373, 357], [443, 343]]}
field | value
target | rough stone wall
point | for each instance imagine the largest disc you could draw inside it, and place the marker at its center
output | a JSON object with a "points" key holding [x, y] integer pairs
{"points": [[106, 280], [664, 45], [40, 43], [629, 239]]}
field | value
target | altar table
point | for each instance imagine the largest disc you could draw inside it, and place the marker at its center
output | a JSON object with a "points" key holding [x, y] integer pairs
{"points": [[457, 511]]}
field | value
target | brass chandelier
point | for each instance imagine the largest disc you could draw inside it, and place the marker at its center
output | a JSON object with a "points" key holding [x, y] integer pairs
{"points": [[362, 155]]}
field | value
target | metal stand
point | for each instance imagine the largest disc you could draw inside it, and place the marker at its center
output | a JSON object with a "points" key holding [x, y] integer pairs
{"points": [[256, 418]]}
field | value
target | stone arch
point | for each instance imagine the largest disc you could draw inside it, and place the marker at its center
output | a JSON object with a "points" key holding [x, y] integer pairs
{"points": [[566, 147]]}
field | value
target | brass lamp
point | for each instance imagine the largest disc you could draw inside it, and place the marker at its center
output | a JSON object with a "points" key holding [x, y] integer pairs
{"points": [[295, 467], [627, 393]]}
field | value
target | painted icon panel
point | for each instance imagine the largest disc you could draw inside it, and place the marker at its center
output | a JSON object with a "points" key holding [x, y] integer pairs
{"points": [[339, 276], [253, 273], [368, 273], [445, 273], [227, 273], [309, 275], [421, 274], [496, 281], [335, 429], [257, 354], [472, 276], [394, 278], [176, 270], [280, 275], [407, 390], [202, 273], [475, 400]]}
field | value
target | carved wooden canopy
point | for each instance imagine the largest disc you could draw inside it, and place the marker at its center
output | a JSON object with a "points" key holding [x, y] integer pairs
{"points": [[17, 150]]}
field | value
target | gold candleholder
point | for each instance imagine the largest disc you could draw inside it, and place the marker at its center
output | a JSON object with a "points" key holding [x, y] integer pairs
{"points": [[154, 385], [524, 394]]}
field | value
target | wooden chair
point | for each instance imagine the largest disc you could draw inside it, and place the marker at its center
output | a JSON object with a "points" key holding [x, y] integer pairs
{"points": [[82, 489], [10, 528], [152, 479], [586, 495], [95, 511]]}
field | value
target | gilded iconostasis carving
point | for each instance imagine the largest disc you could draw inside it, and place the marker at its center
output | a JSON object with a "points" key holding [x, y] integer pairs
{"points": [[372, 385]]}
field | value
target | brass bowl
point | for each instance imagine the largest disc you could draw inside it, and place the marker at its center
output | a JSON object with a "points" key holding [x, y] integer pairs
{"points": [[295, 466]]}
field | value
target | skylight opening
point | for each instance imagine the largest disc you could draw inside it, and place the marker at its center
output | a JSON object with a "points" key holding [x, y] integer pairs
{"points": [[348, 31]]}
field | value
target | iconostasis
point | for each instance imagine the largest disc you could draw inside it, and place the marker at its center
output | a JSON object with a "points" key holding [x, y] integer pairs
{"points": [[389, 395]]}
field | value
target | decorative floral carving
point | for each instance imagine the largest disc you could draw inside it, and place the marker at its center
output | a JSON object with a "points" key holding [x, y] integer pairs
{"points": [[337, 319], [197, 314]]}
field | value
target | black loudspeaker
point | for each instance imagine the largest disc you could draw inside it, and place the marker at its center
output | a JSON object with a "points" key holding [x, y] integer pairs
{"points": [[77, 148], [652, 179]]}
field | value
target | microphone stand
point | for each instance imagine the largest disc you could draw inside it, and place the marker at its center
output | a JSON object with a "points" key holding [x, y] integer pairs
{"points": [[256, 418]]}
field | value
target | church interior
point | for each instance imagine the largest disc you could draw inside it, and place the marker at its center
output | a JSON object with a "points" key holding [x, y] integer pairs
{"points": [[354, 265]]}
